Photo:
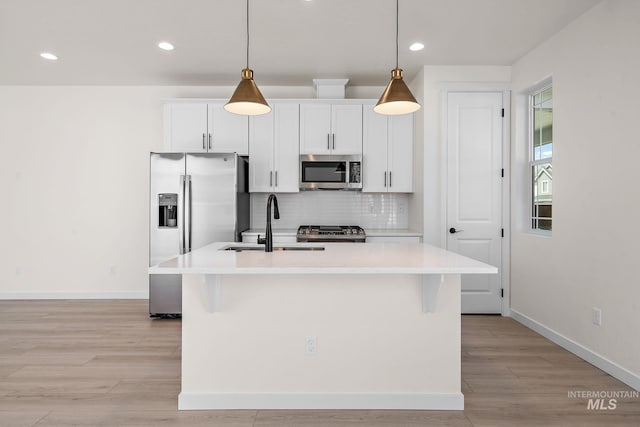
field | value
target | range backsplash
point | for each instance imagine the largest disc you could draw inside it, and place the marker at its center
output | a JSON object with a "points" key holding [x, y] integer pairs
{"points": [[388, 211]]}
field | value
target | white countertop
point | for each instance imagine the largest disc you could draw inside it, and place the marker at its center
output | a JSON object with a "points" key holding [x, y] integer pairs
{"points": [[373, 232], [337, 258], [279, 232], [392, 232]]}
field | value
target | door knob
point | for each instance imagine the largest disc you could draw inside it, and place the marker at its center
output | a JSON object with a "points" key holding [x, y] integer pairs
{"points": [[454, 231]]}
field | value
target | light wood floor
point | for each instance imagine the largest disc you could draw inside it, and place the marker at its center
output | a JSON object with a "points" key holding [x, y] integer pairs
{"points": [[65, 363]]}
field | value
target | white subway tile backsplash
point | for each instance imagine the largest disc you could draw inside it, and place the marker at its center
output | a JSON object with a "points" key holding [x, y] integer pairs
{"points": [[367, 210]]}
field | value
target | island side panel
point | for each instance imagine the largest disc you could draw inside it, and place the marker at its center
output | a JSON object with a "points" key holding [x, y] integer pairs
{"points": [[376, 348]]}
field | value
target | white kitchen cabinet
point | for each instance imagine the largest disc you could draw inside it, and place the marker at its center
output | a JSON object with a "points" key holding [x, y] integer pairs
{"points": [[204, 127], [331, 128], [393, 239], [387, 157], [273, 150]]}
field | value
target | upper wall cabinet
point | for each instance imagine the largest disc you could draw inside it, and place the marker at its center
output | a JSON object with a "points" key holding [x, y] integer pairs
{"points": [[330, 129], [273, 149], [204, 127], [387, 157]]}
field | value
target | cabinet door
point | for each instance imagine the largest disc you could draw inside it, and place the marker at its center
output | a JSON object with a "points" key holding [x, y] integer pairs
{"points": [[374, 152], [346, 123], [229, 131], [286, 149], [393, 239], [261, 153], [400, 153], [315, 128], [186, 127]]}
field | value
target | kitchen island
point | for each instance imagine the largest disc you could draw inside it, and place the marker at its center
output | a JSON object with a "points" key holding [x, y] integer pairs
{"points": [[357, 326]]}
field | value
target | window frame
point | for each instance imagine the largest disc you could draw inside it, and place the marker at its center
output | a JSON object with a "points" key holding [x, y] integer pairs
{"points": [[532, 163]]}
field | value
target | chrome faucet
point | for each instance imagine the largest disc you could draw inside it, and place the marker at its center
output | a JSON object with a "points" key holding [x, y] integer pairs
{"points": [[268, 240]]}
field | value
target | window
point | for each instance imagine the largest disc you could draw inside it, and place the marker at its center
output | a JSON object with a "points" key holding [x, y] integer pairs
{"points": [[541, 158], [545, 187]]}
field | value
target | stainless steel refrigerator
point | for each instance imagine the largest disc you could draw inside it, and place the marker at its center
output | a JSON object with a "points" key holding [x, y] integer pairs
{"points": [[195, 199]]}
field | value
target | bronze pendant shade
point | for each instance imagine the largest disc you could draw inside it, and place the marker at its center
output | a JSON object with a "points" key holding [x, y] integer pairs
{"points": [[396, 98], [247, 98]]}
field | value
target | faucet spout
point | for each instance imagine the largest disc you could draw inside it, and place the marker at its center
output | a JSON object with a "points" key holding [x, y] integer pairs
{"points": [[268, 240]]}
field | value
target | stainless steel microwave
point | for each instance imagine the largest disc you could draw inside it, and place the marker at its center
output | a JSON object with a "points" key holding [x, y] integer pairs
{"points": [[327, 172]]}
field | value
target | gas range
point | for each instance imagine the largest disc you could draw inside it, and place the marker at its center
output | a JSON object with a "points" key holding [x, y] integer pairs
{"points": [[331, 233]]}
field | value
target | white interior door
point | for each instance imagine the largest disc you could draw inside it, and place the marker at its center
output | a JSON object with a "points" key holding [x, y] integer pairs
{"points": [[474, 192]]}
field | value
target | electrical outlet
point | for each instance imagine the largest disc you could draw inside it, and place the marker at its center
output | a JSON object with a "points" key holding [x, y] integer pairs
{"points": [[372, 209], [310, 345], [401, 208], [596, 316]]}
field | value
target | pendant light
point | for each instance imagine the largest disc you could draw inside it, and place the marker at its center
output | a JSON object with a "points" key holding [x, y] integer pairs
{"points": [[247, 99], [396, 98]]}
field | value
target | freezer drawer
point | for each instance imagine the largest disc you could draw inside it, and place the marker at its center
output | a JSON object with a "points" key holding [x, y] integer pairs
{"points": [[165, 294]]}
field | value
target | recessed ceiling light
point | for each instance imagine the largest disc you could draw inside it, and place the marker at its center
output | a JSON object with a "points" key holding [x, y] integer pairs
{"points": [[416, 46], [49, 56], [165, 46]]}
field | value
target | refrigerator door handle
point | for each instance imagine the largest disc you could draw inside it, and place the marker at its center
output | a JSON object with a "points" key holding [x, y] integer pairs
{"points": [[181, 214], [187, 214]]}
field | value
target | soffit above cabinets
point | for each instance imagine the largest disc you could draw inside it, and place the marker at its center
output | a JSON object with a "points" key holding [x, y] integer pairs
{"points": [[114, 42]]}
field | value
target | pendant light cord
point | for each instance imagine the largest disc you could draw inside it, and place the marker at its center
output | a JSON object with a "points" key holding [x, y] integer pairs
{"points": [[247, 33], [397, 20]]}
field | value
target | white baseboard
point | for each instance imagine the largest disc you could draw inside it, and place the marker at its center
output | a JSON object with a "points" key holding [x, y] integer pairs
{"points": [[74, 295], [417, 401], [581, 351]]}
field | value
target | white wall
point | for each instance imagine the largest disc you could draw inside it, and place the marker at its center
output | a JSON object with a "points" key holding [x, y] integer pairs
{"points": [[592, 258], [434, 77], [74, 174]]}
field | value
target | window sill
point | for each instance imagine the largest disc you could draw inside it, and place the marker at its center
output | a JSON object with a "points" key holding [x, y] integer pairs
{"points": [[539, 233]]}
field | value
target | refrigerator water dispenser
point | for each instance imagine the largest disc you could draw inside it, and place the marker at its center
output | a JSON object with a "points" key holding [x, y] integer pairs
{"points": [[167, 210]]}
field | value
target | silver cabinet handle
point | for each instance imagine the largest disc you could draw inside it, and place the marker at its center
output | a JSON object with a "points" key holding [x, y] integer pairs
{"points": [[385, 178], [276, 178], [328, 141], [204, 147], [209, 141], [270, 178], [390, 184], [333, 137]]}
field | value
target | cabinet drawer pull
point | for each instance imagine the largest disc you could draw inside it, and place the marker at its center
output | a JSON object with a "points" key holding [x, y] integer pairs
{"points": [[328, 141], [385, 178], [204, 147], [270, 178], [209, 141], [333, 136], [276, 178], [390, 184]]}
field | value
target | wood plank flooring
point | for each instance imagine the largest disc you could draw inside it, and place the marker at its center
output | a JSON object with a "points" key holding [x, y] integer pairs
{"points": [[85, 363]]}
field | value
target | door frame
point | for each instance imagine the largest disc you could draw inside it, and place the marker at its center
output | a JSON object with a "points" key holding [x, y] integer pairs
{"points": [[444, 89]]}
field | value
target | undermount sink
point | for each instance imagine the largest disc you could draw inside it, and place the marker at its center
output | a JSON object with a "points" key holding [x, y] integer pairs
{"points": [[276, 248]]}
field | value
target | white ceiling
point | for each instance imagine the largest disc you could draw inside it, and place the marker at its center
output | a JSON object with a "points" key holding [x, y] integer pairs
{"points": [[113, 42]]}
